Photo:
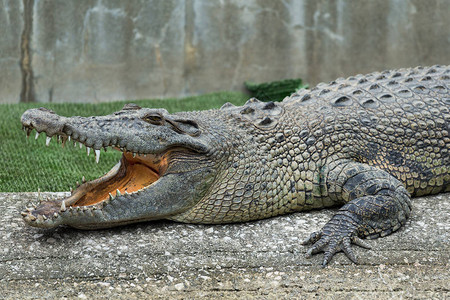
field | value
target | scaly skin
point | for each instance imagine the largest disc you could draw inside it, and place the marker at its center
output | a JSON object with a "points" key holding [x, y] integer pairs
{"points": [[365, 143]]}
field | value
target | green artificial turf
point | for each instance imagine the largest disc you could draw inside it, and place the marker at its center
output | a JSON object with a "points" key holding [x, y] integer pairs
{"points": [[27, 164], [274, 90]]}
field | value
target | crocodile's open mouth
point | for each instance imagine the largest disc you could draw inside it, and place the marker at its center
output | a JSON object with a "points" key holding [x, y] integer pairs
{"points": [[134, 173]]}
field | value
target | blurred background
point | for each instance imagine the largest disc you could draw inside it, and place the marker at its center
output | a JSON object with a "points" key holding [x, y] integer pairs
{"points": [[97, 51]]}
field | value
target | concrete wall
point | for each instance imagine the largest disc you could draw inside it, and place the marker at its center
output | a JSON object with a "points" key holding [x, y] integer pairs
{"points": [[94, 50]]}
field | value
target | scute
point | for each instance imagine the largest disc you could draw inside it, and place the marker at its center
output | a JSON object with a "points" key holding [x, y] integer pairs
{"points": [[263, 115]]}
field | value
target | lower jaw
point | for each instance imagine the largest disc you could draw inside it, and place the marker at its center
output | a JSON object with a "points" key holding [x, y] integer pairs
{"points": [[130, 175]]}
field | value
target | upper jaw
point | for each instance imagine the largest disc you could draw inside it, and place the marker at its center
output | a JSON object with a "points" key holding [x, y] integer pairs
{"points": [[95, 132], [126, 130]]}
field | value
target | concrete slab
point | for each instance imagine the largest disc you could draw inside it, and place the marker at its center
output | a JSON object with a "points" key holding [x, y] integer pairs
{"points": [[11, 24], [95, 51], [256, 260]]}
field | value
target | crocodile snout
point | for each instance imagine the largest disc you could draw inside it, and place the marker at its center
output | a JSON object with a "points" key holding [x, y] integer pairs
{"points": [[43, 120]]}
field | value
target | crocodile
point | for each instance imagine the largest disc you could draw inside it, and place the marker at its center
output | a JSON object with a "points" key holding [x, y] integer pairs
{"points": [[367, 143]]}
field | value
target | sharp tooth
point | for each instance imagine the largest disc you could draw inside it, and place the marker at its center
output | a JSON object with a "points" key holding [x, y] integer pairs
{"points": [[88, 150], [134, 155], [118, 193], [83, 179], [63, 206], [69, 138], [74, 143], [24, 214], [81, 145], [40, 198], [71, 190], [29, 209], [55, 215], [37, 135], [47, 141], [97, 155], [111, 196], [44, 217]]}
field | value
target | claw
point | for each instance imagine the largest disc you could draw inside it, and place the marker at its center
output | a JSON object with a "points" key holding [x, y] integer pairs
{"points": [[314, 237], [328, 255], [347, 249], [310, 253], [317, 247], [360, 242]]}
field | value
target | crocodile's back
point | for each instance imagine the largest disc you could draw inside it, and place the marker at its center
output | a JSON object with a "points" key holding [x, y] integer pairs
{"points": [[398, 121]]}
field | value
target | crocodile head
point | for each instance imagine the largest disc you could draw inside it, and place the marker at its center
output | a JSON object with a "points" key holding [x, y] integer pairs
{"points": [[165, 167]]}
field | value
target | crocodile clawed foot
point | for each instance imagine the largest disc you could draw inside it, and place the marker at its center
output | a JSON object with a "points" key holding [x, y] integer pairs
{"points": [[332, 239]]}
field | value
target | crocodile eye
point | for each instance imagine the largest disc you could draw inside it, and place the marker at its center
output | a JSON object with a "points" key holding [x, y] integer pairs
{"points": [[154, 119]]}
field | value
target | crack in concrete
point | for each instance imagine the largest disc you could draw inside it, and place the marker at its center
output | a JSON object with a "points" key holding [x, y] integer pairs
{"points": [[27, 93]]}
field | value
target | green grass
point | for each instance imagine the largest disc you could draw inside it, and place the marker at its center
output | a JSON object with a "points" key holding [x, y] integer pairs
{"points": [[274, 90], [27, 164]]}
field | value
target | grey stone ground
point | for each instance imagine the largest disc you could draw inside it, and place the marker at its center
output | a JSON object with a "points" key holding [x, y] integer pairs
{"points": [[257, 260]]}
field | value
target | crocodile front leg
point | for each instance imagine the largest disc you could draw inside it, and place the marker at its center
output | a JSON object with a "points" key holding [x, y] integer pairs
{"points": [[377, 204]]}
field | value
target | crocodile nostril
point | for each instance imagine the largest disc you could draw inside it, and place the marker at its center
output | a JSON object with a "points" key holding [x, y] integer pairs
{"points": [[131, 106]]}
